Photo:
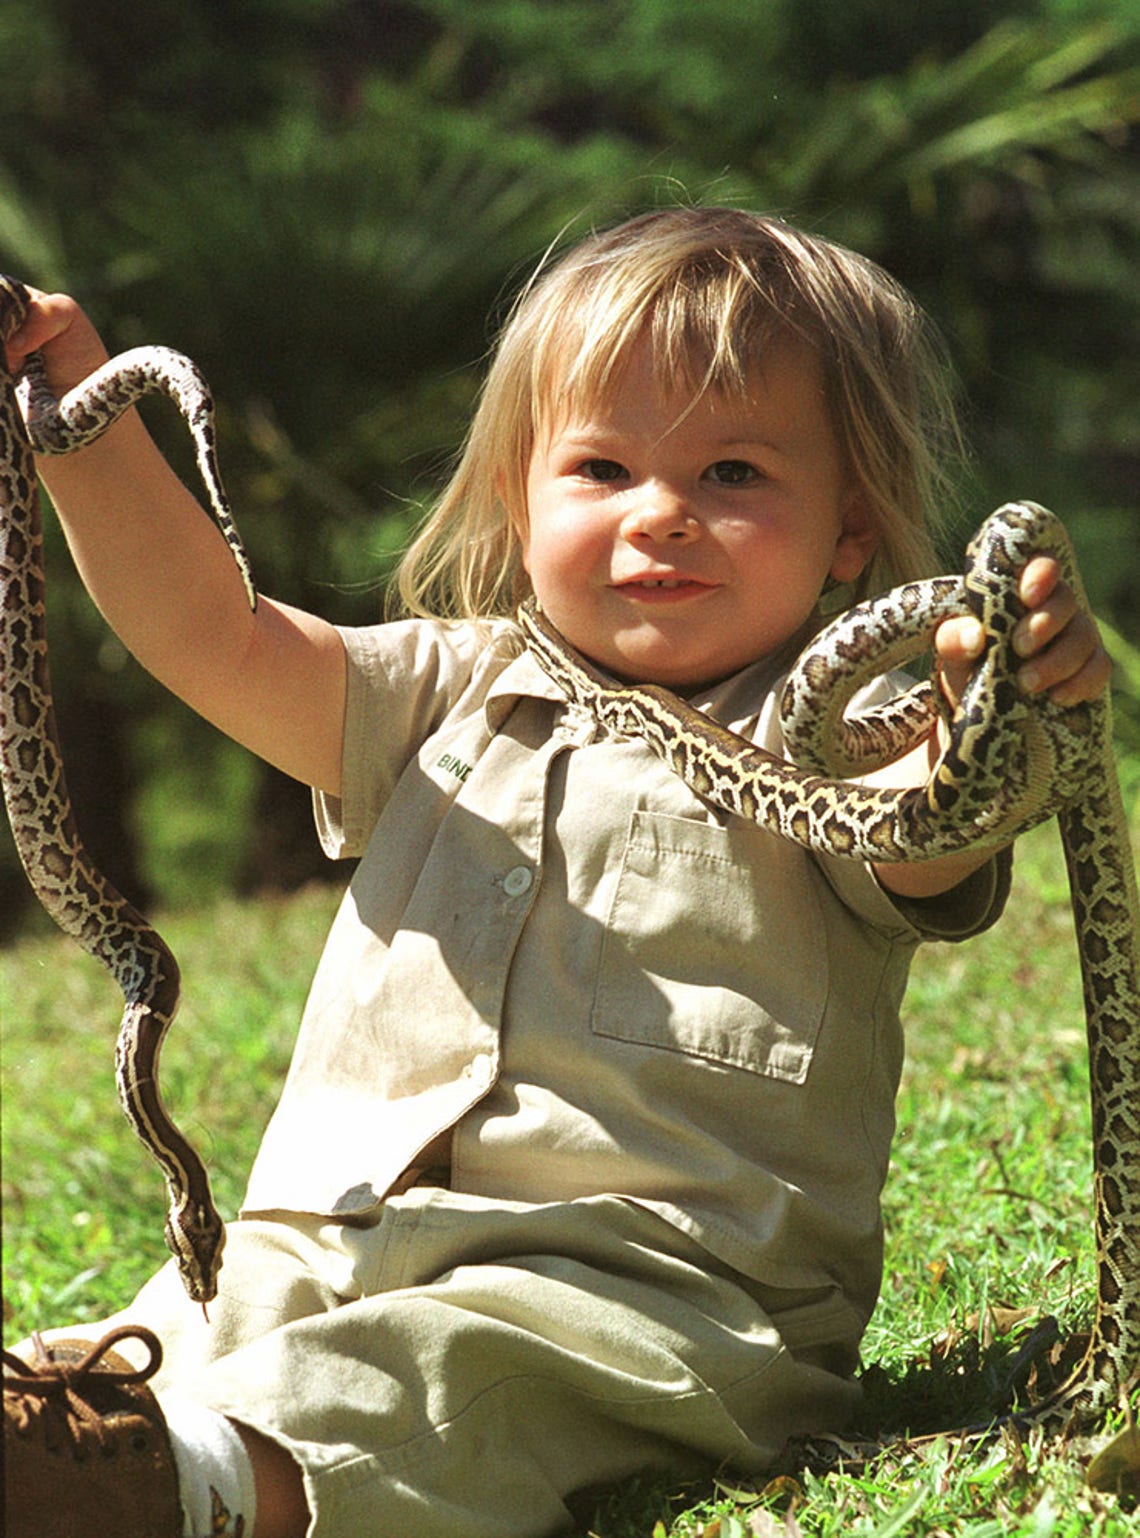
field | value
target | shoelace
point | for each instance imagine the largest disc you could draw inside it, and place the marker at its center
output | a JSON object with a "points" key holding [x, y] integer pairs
{"points": [[56, 1395]]}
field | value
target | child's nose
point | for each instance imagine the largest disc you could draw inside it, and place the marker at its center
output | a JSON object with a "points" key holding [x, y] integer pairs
{"points": [[660, 513]]}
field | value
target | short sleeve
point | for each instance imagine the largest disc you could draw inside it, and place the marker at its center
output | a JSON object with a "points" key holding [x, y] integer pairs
{"points": [[404, 678], [966, 909]]}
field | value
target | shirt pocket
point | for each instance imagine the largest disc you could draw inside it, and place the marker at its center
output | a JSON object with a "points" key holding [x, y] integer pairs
{"points": [[715, 945]]}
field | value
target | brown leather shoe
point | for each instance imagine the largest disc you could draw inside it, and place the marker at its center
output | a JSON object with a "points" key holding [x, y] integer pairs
{"points": [[85, 1444]]}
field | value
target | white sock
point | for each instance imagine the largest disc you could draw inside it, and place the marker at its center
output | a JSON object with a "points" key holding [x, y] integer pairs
{"points": [[215, 1475]]}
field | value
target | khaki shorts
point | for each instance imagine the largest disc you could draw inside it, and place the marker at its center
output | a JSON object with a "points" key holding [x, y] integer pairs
{"points": [[460, 1367]]}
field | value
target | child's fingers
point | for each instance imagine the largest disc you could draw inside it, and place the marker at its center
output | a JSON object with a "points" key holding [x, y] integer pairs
{"points": [[46, 319], [960, 640], [1055, 608], [1038, 579], [1060, 642], [958, 643], [1072, 667], [56, 327]]}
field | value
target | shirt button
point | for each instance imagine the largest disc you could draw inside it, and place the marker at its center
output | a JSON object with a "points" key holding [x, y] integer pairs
{"points": [[517, 881], [480, 1070]]}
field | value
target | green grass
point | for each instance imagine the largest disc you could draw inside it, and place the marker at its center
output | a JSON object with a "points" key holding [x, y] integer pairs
{"points": [[988, 1205], [83, 1206]]}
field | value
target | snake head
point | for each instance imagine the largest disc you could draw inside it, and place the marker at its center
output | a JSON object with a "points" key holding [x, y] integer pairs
{"points": [[196, 1237]]}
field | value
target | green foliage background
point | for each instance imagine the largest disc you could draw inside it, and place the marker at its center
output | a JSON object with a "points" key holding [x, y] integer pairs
{"points": [[328, 202]]}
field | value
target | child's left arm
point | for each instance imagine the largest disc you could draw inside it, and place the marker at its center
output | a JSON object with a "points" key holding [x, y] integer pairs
{"points": [[1064, 658]]}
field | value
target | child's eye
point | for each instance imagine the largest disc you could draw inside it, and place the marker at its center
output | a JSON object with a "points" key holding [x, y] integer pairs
{"points": [[603, 470], [732, 472]]}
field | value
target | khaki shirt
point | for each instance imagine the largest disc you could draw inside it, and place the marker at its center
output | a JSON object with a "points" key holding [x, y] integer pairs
{"points": [[598, 983]]}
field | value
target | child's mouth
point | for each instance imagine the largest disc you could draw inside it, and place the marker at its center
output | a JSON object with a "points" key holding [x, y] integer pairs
{"points": [[662, 589]]}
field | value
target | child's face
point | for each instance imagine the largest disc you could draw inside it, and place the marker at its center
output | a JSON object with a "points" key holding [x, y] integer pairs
{"points": [[677, 548]]}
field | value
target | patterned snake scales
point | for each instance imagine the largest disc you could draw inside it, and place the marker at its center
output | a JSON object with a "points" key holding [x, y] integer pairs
{"points": [[1011, 762], [77, 895]]}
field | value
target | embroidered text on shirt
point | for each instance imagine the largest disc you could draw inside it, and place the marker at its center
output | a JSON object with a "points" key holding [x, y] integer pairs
{"points": [[454, 766]]}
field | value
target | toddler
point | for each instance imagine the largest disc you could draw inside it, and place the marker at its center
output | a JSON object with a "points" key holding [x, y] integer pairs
{"points": [[576, 1170]]}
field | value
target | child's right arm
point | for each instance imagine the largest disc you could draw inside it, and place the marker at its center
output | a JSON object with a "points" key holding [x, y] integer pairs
{"points": [[165, 581]]}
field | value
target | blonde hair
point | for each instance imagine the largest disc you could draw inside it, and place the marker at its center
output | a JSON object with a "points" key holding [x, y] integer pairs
{"points": [[711, 287]]}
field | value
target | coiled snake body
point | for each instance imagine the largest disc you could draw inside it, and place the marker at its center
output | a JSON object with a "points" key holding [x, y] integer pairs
{"points": [[1010, 762], [77, 895]]}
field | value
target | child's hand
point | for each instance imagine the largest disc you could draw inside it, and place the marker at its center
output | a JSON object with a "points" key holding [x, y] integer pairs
{"points": [[58, 329], [1060, 642], [1063, 657]]}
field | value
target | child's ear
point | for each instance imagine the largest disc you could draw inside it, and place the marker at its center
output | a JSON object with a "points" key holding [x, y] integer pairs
{"points": [[858, 539]]}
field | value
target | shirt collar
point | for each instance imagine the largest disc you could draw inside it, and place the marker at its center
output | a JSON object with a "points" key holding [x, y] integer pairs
{"points": [[730, 700], [522, 678]]}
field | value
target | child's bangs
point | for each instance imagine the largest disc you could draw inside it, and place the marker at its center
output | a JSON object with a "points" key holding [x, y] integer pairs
{"points": [[708, 327]]}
